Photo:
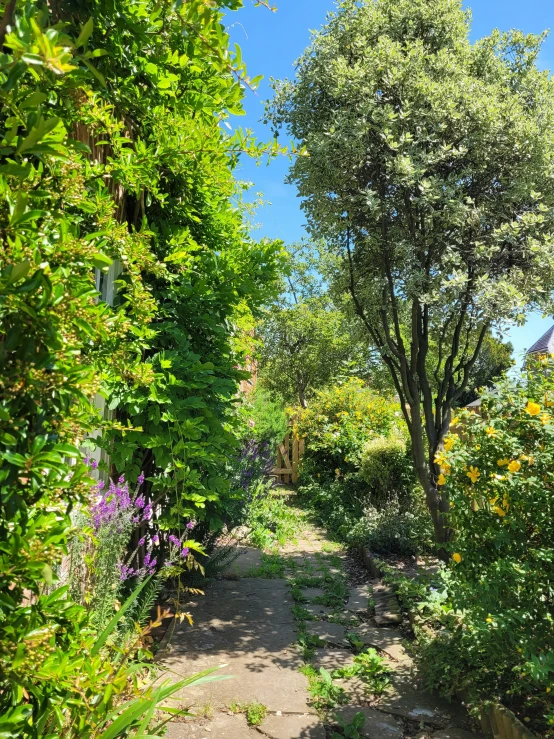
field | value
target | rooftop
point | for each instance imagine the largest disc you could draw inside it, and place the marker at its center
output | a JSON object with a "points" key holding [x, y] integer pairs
{"points": [[545, 345]]}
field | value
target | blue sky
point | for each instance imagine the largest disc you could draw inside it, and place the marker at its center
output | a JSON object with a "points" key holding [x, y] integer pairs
{"points": [[270, 43]]}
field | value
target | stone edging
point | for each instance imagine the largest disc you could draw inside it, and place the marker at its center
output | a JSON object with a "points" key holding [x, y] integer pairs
{"points": [[387, 607], [496, 720]]}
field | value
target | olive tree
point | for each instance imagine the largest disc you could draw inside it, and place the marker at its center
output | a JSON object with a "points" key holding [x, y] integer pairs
{"points": [[429, 170]]}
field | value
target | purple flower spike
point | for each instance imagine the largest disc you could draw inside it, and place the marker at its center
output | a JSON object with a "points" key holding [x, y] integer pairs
{"points": [[155, 540], [121, 479], [140, 479], [190, 525], [86, 460], [141, 541], [147, 513], [94, 464], [140, 502], [185, 552], [174, 540], [100, 485]]}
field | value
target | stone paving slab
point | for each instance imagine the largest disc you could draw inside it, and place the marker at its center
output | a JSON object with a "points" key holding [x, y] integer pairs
{"points": [[331, 659], [407, 698], [289, 726], [358, 600], [377, 725], [453, 734], [247, 559], [329, 633], [387, 640], [314, 609], [222, 726], [311, 593], [246, 625]]}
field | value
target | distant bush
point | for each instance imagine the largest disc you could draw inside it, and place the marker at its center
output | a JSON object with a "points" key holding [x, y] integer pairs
{"points": [[339, 422], [266, 417], [387, 468]]}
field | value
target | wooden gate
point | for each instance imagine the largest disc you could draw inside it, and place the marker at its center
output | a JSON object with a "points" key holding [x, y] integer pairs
{"points": [[287, 469]]}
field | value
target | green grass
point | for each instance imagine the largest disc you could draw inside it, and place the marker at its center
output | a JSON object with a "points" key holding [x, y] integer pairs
{"points": [[272, 567], [254, 711]]}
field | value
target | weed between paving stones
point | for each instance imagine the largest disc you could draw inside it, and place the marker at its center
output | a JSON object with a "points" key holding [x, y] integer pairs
{"points": [[255, 712]]}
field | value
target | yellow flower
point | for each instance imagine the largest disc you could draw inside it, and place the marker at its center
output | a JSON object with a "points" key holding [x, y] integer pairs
{"points": [[514, 466], [491, 431], [457, 557], [337, 472], [473, 474], [441, 480], [503, 462], [477, 446], [440, 457], [533, 409], [449, 443], [497, 509], [506, 504], [492, 501], [489, 619], [454, 421], [445, 468], [545, 418]]}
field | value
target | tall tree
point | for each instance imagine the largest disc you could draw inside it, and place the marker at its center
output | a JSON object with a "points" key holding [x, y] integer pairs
{"points": [[430, 172]]}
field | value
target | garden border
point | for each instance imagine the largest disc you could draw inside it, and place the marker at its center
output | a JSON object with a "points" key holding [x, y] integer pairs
{"points": [[496, 720]]}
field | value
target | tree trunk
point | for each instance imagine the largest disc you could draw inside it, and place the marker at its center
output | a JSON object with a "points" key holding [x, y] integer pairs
{"points": [[437, 501]]}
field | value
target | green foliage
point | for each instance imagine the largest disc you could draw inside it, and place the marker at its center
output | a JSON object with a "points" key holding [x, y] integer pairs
{"points": [[270, 520], [350, 729], [254, 711], [305, 346], [271, 567], [494, 359], [113, 165], [387, 468], [323, 691], [370, 668], [340, 421], [429, 176], [266, 412], [499, 584]]}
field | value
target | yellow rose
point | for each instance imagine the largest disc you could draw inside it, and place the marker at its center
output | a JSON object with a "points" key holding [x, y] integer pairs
{"points": [[533, 409], [457, 557], [514, 466], [441, 479], [473, 474], [503, 462]]}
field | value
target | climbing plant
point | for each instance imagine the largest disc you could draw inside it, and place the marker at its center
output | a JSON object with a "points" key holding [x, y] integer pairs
{"points": [[113, 158]]}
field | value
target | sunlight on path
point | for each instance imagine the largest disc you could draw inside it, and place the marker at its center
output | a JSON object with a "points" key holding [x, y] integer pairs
{"points": [[283, 623]]}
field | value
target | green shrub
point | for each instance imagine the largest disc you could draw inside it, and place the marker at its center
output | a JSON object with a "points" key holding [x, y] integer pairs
{"points": [[392, 530], [269, 422], [499, 475], [387, 468], [340, 421], [270, 520]]}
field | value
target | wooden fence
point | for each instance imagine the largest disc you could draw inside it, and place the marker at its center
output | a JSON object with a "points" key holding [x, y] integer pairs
{"points": [[286, 468]]}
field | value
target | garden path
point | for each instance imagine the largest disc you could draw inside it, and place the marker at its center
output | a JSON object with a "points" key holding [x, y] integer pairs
{"points": [[274, 615]]}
